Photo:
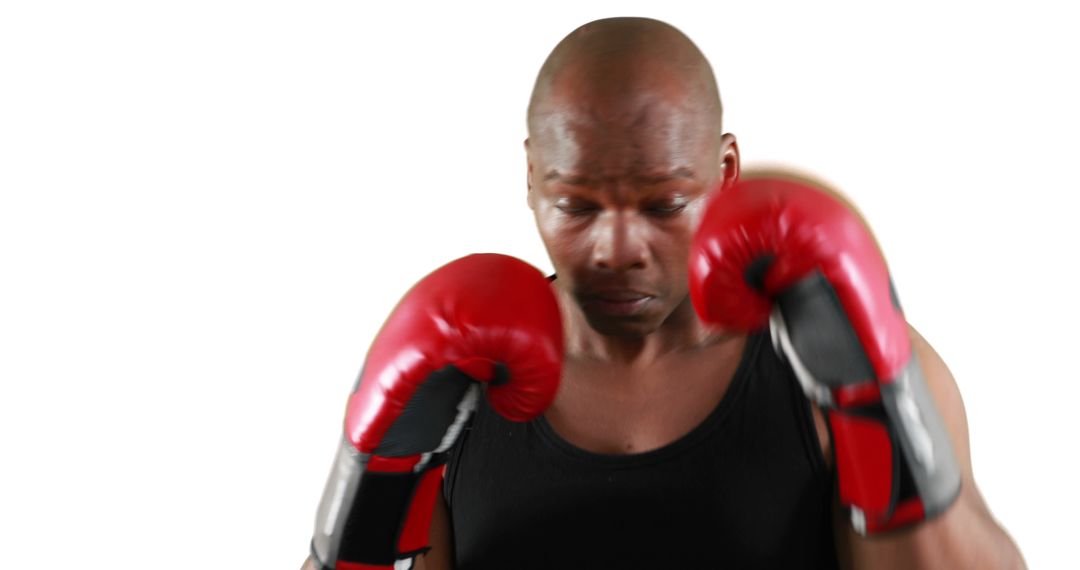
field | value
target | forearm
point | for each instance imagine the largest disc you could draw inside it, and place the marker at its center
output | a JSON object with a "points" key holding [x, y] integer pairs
{"points": [[964, 536]]}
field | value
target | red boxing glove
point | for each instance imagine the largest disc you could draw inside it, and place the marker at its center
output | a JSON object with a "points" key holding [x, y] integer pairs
{"points": [[788, 251], [483, 319]]}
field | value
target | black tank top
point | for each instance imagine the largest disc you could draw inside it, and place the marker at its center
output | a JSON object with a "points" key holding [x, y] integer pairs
{"points": [[747, 488]]}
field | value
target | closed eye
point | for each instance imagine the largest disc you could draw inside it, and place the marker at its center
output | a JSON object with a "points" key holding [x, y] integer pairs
{"points": [[577, 211], [662, 210], [667, 208], [576, 207]]}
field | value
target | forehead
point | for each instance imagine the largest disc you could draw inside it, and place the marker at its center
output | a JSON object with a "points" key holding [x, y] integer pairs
{"points": [[643, 133]]}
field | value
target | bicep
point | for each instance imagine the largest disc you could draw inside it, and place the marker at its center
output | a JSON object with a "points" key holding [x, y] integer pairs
{"points": [[947, 398], [950, 405]]}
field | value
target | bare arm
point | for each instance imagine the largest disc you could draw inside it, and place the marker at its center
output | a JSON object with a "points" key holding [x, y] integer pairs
{"points": [[441, 555], [966, 534]]}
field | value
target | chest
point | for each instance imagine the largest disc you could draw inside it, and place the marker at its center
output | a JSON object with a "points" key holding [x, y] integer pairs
{"points": [[616, 410], [740, 494]]}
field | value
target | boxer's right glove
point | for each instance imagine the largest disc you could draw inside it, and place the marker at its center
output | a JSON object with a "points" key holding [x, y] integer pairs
{"points": [[483, 319], [788, 250]]}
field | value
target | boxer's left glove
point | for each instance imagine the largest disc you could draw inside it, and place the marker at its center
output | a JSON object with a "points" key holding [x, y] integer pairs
{"points": [[484, 319], [787, 250]]}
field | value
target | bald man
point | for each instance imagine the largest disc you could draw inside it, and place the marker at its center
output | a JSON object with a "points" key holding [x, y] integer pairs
{"points": [[670, 444]]}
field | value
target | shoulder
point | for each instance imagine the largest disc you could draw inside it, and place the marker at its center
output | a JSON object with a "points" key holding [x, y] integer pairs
{"points": [[946, 395]]}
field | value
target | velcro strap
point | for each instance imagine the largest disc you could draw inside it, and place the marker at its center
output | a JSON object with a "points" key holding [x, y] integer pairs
{"points": [[866, 462], [417, 528]]}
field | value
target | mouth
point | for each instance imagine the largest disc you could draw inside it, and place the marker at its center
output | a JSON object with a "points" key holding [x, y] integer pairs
{"points": [[618, 303]]}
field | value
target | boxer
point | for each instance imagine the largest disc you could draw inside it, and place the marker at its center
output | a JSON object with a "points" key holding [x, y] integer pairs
{"points": [[739, 387], [787, 249]]}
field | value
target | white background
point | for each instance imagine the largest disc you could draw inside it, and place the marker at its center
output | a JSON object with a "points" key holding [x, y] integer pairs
{"points": [[209, 207]]}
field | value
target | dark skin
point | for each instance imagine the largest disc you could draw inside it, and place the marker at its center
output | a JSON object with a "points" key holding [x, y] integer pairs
{"points": [[625, 147], [617, 182]]}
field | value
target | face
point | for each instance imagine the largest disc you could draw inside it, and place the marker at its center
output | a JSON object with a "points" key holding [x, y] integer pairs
{"points": [[617, 196]]}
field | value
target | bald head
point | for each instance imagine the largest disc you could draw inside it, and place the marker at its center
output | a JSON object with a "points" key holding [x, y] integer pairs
{"points": [[619, 66], [624, 148]]}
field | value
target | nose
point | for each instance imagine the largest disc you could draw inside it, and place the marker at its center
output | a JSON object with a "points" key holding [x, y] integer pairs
{"points": [[619, 242]]}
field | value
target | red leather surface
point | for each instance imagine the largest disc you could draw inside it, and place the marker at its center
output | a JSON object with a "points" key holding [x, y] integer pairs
{"points": [[805, 228], [864, 462], [415, 533], [471, 313]]}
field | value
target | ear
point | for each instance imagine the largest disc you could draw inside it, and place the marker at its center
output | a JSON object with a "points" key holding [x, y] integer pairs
{"points": [[729, 160], [529, 196]]}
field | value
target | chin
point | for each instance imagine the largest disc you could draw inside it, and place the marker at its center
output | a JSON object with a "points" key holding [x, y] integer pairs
{"points": [[637, 326]]}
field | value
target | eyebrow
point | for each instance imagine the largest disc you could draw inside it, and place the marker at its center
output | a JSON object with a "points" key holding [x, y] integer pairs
{"points": [[577, 179], [680, 172]]}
